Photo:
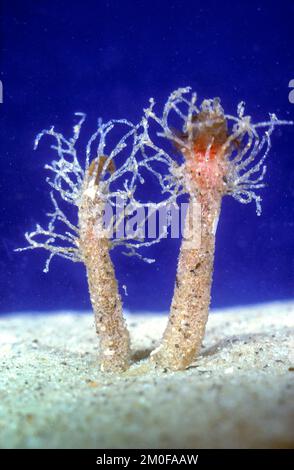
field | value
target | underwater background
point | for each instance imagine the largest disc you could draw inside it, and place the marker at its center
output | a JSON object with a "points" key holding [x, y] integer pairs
{"points": [[106, 58]]}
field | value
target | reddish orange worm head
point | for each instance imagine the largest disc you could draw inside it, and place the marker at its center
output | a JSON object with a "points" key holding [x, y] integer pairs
{"points": [[206, 155]]}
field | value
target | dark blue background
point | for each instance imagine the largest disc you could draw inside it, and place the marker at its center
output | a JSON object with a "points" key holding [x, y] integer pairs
{"points": [[107, 58]]}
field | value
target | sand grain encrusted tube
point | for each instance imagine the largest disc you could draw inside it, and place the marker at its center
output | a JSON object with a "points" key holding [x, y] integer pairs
{"points": [[222, 155], [190, 305], [106, 181], [103, 287]]}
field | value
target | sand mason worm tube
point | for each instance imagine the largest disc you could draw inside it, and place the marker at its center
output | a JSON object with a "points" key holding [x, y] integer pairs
{"points": [[94, 247], [102, 181], [222, 155]]}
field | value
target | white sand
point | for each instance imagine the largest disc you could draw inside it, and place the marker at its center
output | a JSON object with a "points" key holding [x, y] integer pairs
{"points": [[239, 393]]}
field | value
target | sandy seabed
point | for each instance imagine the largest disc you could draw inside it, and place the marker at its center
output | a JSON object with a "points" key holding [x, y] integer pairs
{"points": [[239, 393]]}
